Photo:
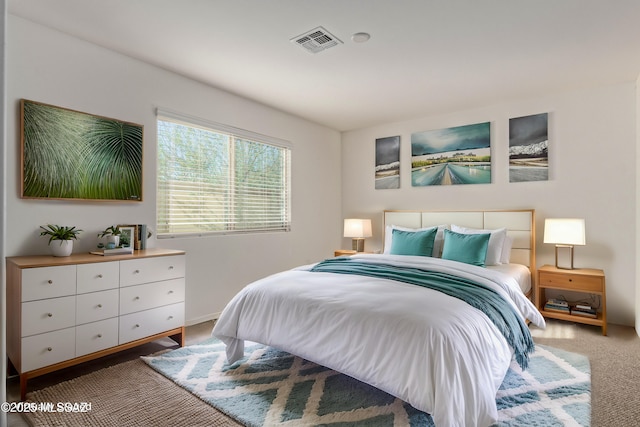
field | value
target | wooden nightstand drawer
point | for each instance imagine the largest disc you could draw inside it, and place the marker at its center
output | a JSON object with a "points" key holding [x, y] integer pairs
{"points": [[569, 282], [346, 252], [343, 252]]}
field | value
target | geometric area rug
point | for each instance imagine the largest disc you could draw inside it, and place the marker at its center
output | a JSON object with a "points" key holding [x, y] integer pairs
{"points": [[269, 387]]}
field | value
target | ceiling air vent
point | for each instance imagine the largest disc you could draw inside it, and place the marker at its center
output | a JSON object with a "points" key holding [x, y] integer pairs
{"points": [[317, 40]]}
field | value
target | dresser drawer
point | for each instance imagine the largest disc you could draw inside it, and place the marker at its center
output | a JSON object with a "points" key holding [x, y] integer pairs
{"points": [[96, 306], [151, 295], [144, 323], [48, 282], [47, 349], [96, 336], [571, 282], [145, 270], [48, 315], [98, 276]]}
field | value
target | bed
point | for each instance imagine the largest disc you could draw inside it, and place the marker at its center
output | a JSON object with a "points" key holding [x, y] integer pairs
{"points": [[435, 325], [519, 226]]}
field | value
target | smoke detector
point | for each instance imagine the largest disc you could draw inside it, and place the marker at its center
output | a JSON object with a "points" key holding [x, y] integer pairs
{"points": [[317, 40]]}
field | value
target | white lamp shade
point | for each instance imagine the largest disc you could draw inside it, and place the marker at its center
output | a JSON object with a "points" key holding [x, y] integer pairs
{"points": [[358, 228], [564, 231]]}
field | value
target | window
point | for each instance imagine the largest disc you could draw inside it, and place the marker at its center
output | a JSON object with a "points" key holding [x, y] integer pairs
{"points": [[217, 179]]}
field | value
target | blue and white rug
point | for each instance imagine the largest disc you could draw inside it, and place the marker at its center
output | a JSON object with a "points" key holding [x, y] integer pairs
{"points": [[273, 388]]}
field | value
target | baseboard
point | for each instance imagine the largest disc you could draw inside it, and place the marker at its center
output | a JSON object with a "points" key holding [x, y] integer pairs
{"points": [[202, 319]]}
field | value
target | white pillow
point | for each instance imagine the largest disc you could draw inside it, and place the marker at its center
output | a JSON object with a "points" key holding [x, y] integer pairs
{"points": [[437, 244], [506, 250], [496, 242]]}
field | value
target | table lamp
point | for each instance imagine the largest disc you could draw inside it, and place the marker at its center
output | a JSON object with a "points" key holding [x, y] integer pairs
{"points": [[564, 233], [357, 229]]}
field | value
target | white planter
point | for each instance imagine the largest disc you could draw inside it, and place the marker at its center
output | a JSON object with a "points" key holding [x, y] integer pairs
{"points": [[61, 247], [113, 239]]}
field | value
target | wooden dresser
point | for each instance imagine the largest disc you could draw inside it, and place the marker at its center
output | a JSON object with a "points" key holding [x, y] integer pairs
{"points": [[62, 311]]}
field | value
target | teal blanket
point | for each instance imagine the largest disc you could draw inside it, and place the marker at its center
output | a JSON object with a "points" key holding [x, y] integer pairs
{"points": [[499, 311]]}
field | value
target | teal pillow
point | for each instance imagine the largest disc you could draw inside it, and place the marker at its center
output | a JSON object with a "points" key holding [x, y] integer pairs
{"points": [[467, 248], [413, 242]]}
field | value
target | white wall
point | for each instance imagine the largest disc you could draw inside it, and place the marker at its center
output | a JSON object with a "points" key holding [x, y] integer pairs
{"points": [[51, 67], [592, 175]]}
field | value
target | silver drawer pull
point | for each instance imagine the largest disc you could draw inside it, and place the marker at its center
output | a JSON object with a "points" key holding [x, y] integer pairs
{"points": [[171, 267], [49, 349], [50, 282], [170, 292], [99, 276], [99, 306], [137, 325], [136, 298], [49, 314], [99, 335], [170, 317], [136, 272]]}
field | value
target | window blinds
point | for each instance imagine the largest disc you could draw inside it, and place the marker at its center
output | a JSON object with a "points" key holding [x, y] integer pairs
{"points": [[214, 178]]}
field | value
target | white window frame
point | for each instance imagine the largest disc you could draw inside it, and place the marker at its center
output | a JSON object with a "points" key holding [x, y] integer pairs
{"points": [[233, 133]]}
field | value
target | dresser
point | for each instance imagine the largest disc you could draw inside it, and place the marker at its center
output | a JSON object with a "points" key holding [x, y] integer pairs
{"points": [[62, 311]]}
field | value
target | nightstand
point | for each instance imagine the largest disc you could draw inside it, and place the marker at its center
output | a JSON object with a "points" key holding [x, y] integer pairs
{"points": [[344, 252], [585, 280]]}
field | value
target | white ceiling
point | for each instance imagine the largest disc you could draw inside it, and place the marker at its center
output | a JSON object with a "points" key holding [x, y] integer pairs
{"points": [[424, 56]]}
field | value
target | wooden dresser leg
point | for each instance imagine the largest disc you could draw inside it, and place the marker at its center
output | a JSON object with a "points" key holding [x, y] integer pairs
{"points": [[23, 386], [179, 338]]}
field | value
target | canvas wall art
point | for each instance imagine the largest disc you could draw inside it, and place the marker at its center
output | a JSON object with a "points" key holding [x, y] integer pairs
{"points": [[68, 154], [451, 156], [528, 148], [387, 163]]}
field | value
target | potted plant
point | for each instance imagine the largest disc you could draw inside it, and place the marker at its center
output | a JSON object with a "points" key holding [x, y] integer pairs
{"points": [[66, 236], [112, 234]]}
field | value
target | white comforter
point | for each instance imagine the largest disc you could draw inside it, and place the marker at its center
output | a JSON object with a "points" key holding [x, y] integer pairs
{"points": [[434, 351]]}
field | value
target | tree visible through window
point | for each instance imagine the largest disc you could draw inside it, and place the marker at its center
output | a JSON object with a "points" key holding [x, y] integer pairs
{"points": [[220, 180]]}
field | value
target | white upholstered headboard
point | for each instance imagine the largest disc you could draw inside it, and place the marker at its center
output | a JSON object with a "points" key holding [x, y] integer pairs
{"points": [[520, 225]]}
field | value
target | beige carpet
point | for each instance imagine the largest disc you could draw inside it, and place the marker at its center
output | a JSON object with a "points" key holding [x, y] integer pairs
{"points": [[128, 394], [132, 394]]}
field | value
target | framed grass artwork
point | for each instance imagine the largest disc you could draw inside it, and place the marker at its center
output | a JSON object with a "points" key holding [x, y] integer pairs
{"points": [[68, 154]]}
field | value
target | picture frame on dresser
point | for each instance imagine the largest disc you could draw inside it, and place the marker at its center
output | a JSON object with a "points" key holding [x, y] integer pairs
{"points": [[130, 234], [66, 311]]}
